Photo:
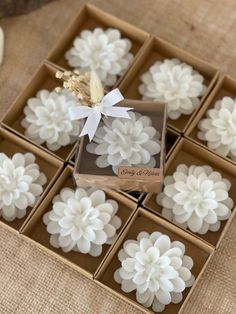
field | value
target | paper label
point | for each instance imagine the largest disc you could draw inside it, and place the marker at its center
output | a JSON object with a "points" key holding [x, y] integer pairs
{"points": [[138, 173]]}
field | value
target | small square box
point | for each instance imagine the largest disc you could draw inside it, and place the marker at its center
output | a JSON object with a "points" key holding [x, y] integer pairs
{"points": [[157, 50], [146, 221], [189, 153], [10, 144], [141, 179], [35, 229], [225, 87], [43, 78], [90, 18]]}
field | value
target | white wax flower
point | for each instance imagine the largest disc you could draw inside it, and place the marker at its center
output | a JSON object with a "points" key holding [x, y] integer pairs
{"points": [[82, 220], [196, 197], [155, 268], [47, 119], [175, 83], [126, 142], [20, 184], [103, 51], [219, 128]]}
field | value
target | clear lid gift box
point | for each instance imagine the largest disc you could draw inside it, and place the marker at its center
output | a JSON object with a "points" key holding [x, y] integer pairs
{"points": [[88, 171]]}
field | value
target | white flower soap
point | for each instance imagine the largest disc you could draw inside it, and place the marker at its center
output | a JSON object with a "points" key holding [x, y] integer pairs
{"points": [[155, 268], [21, 184], [82, 221], [47, 119], [196, 197], [175, 83], [103, 51], [219, 128], [126, 142]]}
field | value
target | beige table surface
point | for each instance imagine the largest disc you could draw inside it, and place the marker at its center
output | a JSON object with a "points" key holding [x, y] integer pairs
{"points": [[30, 280]]}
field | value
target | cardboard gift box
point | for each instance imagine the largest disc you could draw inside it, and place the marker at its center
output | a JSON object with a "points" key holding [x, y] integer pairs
{"points": [[89, 18], [43, 78], [10, 144], [146, 221], [187, 152], [142, 179], [35, 229], [226, 86], [157, 50]]}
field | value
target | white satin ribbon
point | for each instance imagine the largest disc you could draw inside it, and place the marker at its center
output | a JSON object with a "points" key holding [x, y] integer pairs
{"points": [[94, 114]]}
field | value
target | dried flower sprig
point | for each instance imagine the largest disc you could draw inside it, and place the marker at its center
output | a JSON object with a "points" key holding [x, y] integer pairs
{"points": [[77, 83], [93, 104]]}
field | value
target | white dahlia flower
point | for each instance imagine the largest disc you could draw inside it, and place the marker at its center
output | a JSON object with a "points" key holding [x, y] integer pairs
{"points": [[20, 184], [126, 142], [82, 220], [155, 268], [47, 119], [196, 198], [175, 83], [219, 128], [103, 51]]}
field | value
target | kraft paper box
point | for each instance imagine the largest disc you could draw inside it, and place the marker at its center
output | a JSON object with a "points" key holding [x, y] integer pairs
{"points": [[10, 144], [89, 18], [226, 86], [141, 179], [145, 221], [43, 78], [187, 152], [157, 49], [35, 229]]}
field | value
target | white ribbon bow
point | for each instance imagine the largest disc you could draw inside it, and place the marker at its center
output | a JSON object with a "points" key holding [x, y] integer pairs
{"points": [[94, 114]]}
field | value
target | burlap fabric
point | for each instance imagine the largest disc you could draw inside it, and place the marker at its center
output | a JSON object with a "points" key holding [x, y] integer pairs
{"points": [[30, 280]]}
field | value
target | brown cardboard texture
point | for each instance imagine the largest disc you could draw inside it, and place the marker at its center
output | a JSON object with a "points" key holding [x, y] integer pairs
{"points": [[157, 50], [172, 139], [146, 221], [43, 78], [36, 230], [134, 196], [187, 152], [87, 173], [73, 156], [50, 166]]}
